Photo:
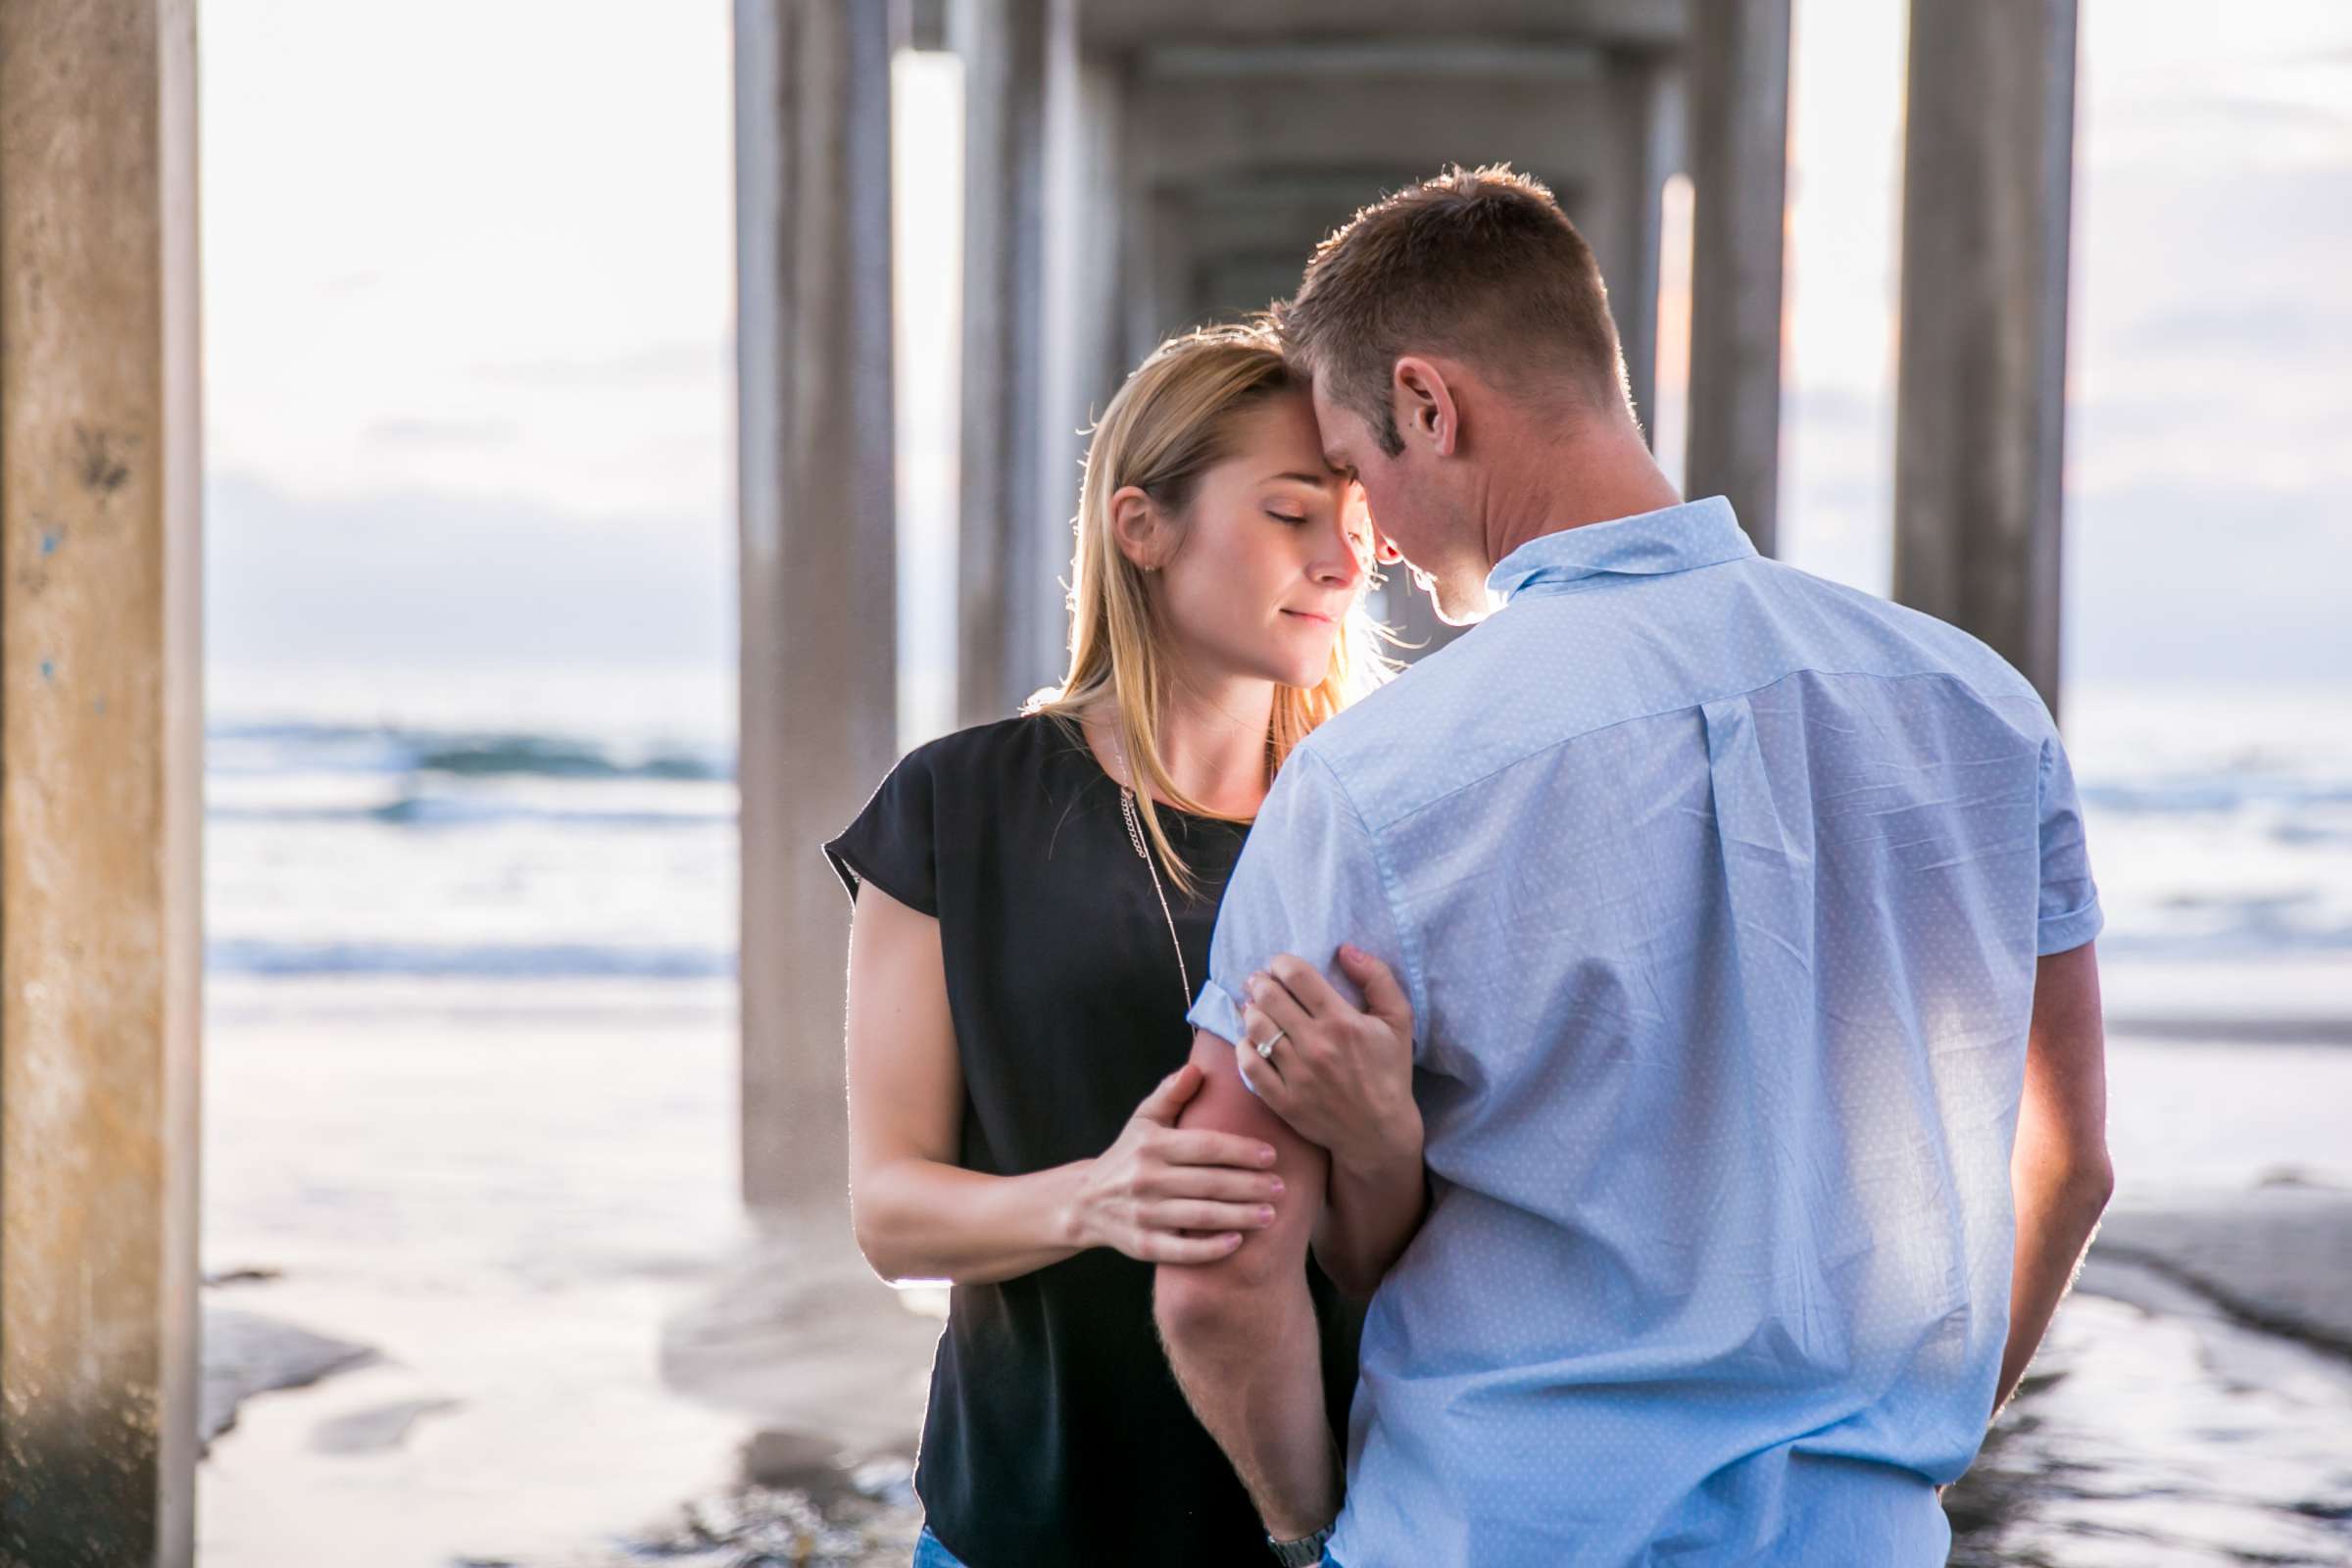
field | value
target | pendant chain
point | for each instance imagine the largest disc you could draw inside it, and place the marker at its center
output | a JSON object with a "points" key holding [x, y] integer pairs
{"points": [[1135, 836]]}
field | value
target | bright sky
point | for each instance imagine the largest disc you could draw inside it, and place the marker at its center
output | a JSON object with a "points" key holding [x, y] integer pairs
{"points": [[468, 291]]}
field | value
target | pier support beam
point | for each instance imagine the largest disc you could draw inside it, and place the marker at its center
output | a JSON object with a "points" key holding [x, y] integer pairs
{"points": [[818, 558], [1647, 94], [1981, 391], [101, 751], [1739, 100], [1009, 609]]}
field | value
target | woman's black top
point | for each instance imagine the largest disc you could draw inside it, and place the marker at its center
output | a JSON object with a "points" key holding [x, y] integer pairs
{"points": [[1056, 1432]]}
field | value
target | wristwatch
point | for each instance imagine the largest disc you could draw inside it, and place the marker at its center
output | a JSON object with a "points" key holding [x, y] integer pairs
{"points": [[1304, 1552]]}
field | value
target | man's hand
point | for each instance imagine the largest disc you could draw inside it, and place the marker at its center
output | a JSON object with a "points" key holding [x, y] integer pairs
{"points": [[1342, 1076]]}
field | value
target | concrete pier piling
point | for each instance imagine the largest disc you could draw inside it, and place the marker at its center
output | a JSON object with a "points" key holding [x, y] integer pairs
{"points": [[101, 750]]}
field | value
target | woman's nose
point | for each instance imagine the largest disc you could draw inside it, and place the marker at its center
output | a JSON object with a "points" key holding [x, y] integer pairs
{"points": [[1340, 564]]}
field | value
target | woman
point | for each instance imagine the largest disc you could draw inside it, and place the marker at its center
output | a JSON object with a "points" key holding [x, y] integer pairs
{"points": [[1034, 903]]}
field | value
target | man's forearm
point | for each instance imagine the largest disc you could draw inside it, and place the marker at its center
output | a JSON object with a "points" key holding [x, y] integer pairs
{"points": [[1250, 1365], [1240, 1333], [2057, 1213]]}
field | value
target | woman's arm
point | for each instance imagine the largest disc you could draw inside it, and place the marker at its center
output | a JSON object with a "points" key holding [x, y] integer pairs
{"points": [[918, 1215], [1370, 1213]]}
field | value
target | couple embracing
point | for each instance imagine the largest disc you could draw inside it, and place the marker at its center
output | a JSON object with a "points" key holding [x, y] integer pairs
{"points": [[1629, 1093]]}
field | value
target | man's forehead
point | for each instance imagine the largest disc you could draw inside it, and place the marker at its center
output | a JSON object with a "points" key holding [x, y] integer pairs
{"points": [[1332, 425]]}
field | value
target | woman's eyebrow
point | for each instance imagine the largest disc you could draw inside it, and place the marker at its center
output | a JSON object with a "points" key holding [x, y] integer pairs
{"points": [[1318, 480]]}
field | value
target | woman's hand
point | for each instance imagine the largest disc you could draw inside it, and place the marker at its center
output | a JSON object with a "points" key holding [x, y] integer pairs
{"points": [[1340, 1075], [1168, 1197]]}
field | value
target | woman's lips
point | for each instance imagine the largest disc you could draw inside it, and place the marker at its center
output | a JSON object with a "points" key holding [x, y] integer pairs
{"points": [[1314, 615]]}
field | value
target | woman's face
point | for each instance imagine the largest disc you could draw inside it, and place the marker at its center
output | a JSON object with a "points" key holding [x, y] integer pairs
{"points": [[1270, 556]]}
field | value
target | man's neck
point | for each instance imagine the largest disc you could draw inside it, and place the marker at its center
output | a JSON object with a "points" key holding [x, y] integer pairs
{"points": [[1586, 476]]}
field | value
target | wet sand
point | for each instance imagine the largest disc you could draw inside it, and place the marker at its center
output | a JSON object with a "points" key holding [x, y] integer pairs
{"points": [[522, 1209], [2156, 1432], [504, 1203], [2192, 1405]]}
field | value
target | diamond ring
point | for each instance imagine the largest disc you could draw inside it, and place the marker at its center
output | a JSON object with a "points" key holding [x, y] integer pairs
{"points": [[1265, 1047]]}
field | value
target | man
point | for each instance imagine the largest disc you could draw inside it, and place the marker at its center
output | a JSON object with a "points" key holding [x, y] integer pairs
{"points": [[1745, 925]]}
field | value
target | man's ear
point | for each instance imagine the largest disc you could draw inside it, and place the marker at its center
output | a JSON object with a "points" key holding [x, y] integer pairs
{"points": [[1425, 406], [1137, 530]]}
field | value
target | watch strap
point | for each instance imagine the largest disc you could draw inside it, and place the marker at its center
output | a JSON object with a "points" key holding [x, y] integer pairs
{"points": [[1304, 1552]]}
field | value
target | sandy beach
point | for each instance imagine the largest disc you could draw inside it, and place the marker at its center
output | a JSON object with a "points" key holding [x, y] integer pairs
{"points": [[501, 1204], [491, 1232], [2192, 1405]]}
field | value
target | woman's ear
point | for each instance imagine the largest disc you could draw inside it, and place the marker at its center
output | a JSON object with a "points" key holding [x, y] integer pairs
{"points": [[1137, 528]]}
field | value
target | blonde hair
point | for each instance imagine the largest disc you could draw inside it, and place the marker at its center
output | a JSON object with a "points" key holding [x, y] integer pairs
{"points": [[1178, 415]]}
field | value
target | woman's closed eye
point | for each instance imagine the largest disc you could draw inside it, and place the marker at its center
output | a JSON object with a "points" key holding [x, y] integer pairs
{"points": [[1284, 517]]}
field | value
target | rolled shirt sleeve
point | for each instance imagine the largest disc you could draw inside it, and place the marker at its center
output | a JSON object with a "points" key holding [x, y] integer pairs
{"points": [[2068, 908], [1309, 880]]}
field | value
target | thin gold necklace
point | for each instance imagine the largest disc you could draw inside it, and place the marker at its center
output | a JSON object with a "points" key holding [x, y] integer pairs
{"points": [[1135, 836]]}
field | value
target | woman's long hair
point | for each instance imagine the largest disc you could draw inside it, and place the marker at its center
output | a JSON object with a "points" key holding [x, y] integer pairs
{"points": [[1179, 414]]}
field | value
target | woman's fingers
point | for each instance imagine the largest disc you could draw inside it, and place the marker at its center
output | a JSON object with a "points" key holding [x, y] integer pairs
{"points": [[1383, 996], [1269, 1008], [1166, 1246], [1164, 1103], [1183, 1215], [1218, 1182], [1262, 1076], [1307, 987], [1215, 1149]]}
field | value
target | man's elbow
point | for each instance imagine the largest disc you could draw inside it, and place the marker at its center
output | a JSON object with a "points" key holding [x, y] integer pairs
{"points": [[1212, 1308], [2076, 1181], [2092, 1181]]}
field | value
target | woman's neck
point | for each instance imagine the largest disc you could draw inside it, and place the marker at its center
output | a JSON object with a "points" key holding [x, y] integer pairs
{"points": [[1212, 742]]}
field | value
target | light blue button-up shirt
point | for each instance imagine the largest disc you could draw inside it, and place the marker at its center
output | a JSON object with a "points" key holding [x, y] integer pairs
{"points": [[1716, 889]]}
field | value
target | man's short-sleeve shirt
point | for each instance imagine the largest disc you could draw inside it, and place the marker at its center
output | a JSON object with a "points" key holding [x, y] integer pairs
{"points": [[1717, 890]]}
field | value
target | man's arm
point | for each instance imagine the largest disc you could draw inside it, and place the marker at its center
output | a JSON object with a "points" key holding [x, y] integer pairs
{"points": [[2059, 1174], [1241, 1332], [1344, 1079]]}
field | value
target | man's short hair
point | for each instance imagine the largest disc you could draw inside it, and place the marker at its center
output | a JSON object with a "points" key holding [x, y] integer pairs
{"points": [[1477, 265]]}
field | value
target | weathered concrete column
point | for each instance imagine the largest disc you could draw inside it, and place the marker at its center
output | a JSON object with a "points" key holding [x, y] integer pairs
{"points": [[101, 750], [1085, 106], [1009, 606], [1981, 391], [1647, 94], [819, 622], [1739, 100]]}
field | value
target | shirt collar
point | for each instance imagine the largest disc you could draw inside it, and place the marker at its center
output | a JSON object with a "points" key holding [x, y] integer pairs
{"points": [[1649, 544]]}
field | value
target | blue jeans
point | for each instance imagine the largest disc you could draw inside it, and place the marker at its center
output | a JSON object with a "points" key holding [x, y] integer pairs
{"points": [[929, 1553]]}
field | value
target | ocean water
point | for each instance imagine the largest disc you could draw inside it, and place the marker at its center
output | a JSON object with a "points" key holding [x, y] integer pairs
{"points": [[535, 830], [566, 825]]}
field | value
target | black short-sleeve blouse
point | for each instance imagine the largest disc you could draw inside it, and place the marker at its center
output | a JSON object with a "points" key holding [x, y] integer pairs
{"points": [[1056, 1432]]}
